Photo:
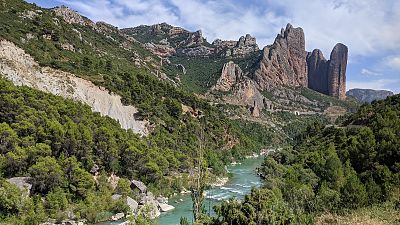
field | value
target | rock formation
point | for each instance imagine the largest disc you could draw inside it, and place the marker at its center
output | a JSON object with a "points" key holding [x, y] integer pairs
{"points": [[337, 71], [317, 71], [284, 62], [230, 75], [328, 76], [21, 69], [368, 95], [246, 45], [243, 90]]}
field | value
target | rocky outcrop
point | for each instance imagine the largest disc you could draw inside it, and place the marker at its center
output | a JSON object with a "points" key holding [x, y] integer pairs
{"points": [[243, 90], [21, 69], [160, 49], [245, 46], [72, 17], [23, 183], [337, 71], [284, 62], [231, 74], [328, 76], [317, 71], [195, 51], [368, 95]]}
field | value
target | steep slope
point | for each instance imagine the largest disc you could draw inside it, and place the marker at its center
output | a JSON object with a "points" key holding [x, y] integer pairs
{"points": [[368, 95], [21, 68], [330, 171]]}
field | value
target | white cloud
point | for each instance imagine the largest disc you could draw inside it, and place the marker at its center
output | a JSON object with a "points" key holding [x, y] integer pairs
{"points": [[368, 72], [393, 62], [380, 84], [366, 26]]}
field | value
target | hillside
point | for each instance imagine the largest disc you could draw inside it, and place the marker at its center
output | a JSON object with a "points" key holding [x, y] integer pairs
{"points": [[333, 174], [89, 110]]}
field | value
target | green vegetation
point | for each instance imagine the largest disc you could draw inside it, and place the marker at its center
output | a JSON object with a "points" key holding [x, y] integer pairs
{"points": [[329, 171], [326, 101], [201, 73]]}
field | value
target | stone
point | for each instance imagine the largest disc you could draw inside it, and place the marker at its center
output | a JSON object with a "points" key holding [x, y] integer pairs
{"points": [[163, 200], [135, 184], [118, 216], [284, 62], [165, 207], [133, 205], [115, 197], [23, 183], [95, 169]]}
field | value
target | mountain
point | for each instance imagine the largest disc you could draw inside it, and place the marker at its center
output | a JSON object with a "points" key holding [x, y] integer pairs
{"points": [[332, 173], [368, 95], [87, 109]]}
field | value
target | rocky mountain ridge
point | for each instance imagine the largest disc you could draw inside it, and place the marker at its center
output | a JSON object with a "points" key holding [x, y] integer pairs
{"points": [[368, 95]]}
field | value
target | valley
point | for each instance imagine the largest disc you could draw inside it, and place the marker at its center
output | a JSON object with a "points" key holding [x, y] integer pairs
{"points": [[101, 124]]}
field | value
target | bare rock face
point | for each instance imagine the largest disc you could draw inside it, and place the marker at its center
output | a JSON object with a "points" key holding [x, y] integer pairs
{"points": [[231, 74], [368, 95], [244, 91], [317, 71], [284, 62], [328, 76], [21, 69], [337, 71], [246, 45], [72, 17]]}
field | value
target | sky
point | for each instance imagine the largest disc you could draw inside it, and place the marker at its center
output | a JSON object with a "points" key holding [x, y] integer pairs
{"points": [[370, 28]]}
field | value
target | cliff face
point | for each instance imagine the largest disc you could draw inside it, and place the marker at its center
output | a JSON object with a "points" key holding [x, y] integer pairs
{"points": [[243, 90], [284, 62], [317, 71], [246, 45], [337, 71], [21, 69], [328, 76], [368, 95]]}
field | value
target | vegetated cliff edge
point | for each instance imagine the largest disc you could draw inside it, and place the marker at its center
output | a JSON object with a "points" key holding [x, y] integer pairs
{"points": [[21, 69]]}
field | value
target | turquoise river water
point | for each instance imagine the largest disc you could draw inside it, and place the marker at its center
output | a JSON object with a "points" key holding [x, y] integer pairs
{"points": [[242, 180]]}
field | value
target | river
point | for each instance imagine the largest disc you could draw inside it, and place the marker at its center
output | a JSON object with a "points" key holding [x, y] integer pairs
{"points": [[242, 180]]}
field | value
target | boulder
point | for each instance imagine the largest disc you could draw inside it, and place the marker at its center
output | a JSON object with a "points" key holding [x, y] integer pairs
{"points": [[165, 207], [23, 183], [133, 205], [135, 184], [118, 216]]}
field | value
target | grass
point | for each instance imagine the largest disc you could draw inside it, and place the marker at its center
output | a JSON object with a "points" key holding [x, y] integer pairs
{"points": [[374, 215]]}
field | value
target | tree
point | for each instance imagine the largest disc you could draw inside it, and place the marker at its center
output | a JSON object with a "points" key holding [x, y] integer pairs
{"points": [[46, 175], [8, 138]]}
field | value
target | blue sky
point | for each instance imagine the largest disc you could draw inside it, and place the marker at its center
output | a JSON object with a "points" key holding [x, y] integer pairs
{"points": [[370, 28]]}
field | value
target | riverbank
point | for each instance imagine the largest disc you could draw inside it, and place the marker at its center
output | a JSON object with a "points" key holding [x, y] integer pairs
{"points": [[243, 178]]}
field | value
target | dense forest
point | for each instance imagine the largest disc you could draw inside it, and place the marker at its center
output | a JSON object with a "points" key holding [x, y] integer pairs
{"points": [[329, 170], [57, 142]]}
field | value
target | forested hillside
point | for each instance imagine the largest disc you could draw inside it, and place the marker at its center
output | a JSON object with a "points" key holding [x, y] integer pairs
{"points": [[352, 169]]}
